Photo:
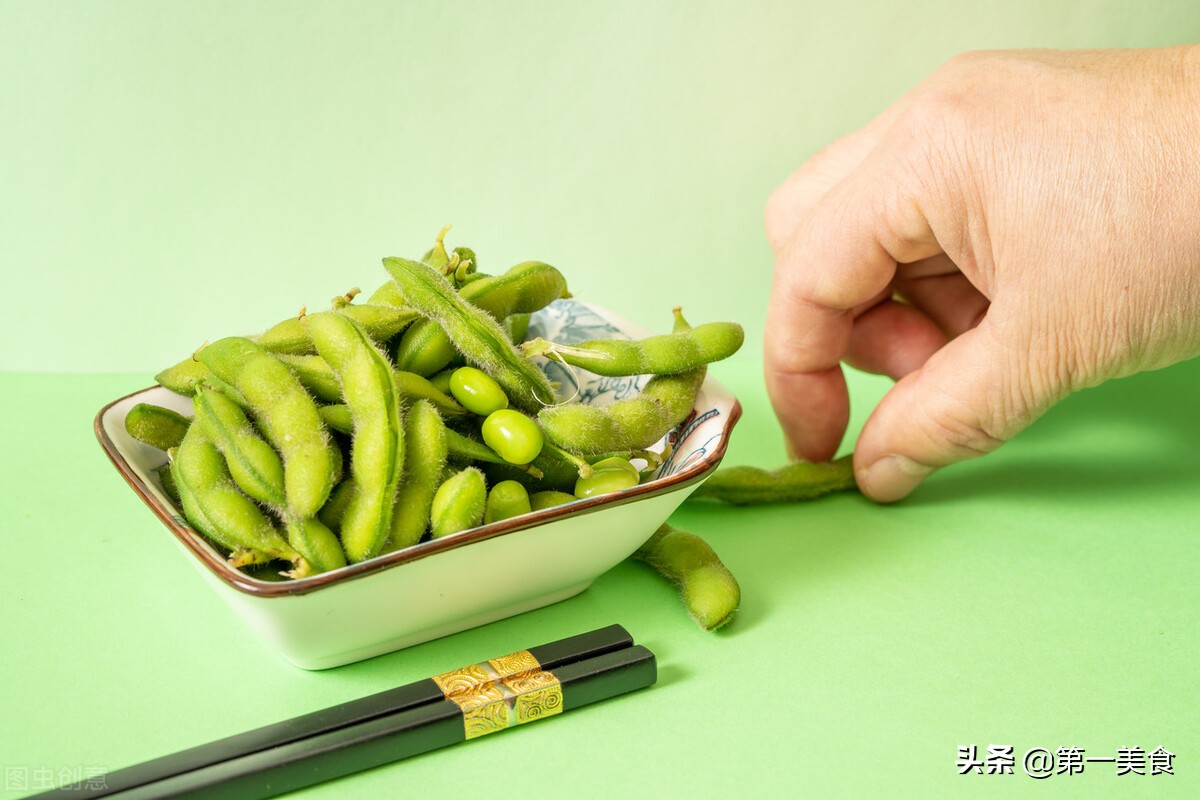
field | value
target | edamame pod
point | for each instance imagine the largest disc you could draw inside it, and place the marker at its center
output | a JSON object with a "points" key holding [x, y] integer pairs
{"points": [[214, 505], [458, 503], [658, 355], [380, 321], [424, 458], [287, 416], [314, 374], [710, 592], [156, 426], [426, 348], [632, 424], [477, 335], [255, 467], [802, 480], [318, 546], [377, 448], [334, 510]]}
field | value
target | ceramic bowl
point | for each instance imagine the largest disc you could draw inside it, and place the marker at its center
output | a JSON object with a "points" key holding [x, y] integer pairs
{"points": [[471, 578]]}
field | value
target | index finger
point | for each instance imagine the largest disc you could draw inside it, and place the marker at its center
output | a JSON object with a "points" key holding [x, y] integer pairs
{"points": [[844, 254]]}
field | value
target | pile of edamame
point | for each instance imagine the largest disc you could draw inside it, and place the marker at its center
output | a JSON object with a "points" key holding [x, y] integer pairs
{"points": [[337, 436]]}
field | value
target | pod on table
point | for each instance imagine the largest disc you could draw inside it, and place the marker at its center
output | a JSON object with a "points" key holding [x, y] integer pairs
{"points": [[424, 459], [657, 355], [631, 424], [287, 416], [254, 465], [377, 449], [476, 334], [709, 590], [458, 504], [801, 480], [217, 509], [156, 426], [426, 348]]}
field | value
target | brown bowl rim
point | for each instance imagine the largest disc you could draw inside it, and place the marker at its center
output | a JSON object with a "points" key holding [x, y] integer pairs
{"points": [[195, 542]]}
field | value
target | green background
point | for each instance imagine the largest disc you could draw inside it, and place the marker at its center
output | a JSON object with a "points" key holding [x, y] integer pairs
{"points": [[173, 172]]}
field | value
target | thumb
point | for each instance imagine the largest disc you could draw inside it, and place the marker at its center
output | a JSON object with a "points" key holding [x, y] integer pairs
{"points": [[968, 399]]}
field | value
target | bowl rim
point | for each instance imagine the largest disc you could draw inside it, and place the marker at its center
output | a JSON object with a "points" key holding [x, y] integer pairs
{"points": [[194, 542]]}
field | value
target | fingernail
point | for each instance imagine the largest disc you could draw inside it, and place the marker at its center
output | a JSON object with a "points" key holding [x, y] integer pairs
{"points": [[891, 478]]}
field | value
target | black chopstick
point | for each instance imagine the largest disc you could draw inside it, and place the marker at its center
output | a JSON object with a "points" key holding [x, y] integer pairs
{"points": [[427, 692], [354, 748]]}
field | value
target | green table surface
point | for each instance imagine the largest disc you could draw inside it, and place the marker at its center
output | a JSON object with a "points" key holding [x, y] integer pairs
{"points": [[1044, 596]]}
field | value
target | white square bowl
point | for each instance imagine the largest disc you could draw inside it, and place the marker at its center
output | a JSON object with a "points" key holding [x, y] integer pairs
{"points": [[447, 585]]}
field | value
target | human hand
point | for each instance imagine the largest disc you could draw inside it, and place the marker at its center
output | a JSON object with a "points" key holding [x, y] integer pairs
{"points": [[1019, 226]]}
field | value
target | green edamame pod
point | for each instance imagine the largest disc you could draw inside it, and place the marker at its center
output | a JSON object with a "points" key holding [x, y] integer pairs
{"points": [[156, 426], [458, 503], [802, 480], [337, 417], [182, 378], [710, 592], [424, 458], [255, 467], [215, 507], [287, 416], [318, 546], [631, 424], [476, 334], [334, 510], [314, 374], [549, 499], [426, 348], [506, 500], [381, 322], [168, 483], [413, 387], [377, 448], [516, 326], [658, 355]]}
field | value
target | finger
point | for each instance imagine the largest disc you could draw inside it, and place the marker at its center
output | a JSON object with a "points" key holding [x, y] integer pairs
{"points": [[843, 255], [969, 398], [893, 339], [800, 192], [951, 301]]}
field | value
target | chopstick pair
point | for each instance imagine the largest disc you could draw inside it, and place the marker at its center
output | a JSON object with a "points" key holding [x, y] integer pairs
{"points": [[435, 712]]}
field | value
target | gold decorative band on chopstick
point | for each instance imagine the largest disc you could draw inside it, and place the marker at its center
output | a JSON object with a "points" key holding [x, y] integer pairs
{"points": [[513, 700], [467, 679]]}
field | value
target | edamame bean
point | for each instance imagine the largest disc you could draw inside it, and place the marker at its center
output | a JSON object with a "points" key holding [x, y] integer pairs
{"points": [[381, 322], [287, 416], [156, 426], [424, 458], [802, 480], [506, 500], [658, 355], [710, 592], [476, 391], [550, 499], [608, 475], [513, 435], [479, 337], [458, 504], [218, 510], [425, 348], [635, 423], [255, 467], [377, 448]]}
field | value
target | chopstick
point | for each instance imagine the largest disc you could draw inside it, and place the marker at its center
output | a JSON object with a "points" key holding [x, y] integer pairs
{"points": [[422, 714]]}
